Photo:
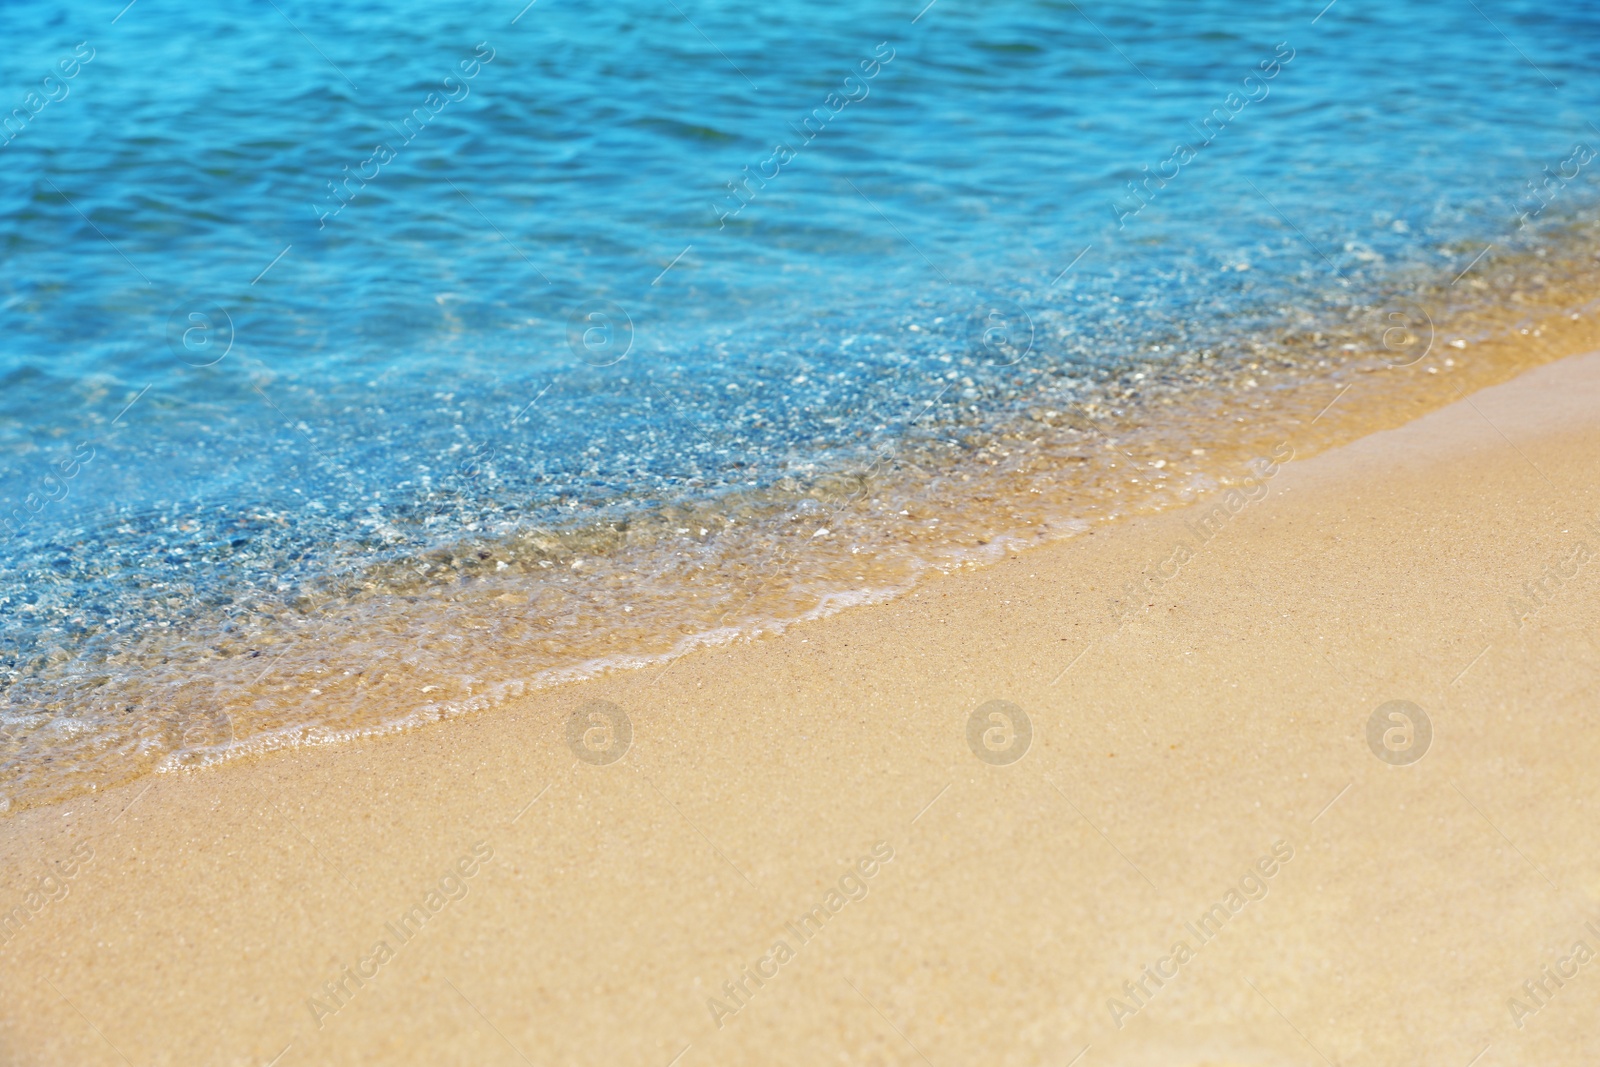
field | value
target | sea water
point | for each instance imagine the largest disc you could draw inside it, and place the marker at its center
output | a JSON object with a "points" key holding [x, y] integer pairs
{"points": [[362, 364]]}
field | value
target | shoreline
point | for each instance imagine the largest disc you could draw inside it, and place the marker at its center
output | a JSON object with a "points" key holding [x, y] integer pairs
{"points": [[1170, 746], [637, 593]]}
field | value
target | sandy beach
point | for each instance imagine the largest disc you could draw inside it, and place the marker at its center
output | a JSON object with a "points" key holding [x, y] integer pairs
{"points": [[672, 535], [1207, 844]]}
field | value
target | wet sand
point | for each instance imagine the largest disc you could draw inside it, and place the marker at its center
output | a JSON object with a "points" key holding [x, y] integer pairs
{"points": [[1200, 687]]}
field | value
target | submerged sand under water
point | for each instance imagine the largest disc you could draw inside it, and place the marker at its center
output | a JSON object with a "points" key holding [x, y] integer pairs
{"points": [[494, 611]]}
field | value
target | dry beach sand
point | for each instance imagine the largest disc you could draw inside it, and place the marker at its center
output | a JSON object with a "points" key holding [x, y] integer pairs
{"points": [[1198, 797]]}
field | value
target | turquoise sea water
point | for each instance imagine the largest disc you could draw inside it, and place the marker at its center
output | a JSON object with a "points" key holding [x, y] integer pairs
{"points": [[297, 291]]}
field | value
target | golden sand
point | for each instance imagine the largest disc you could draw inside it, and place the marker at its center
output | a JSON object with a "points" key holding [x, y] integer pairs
{"points": [[1200, 688]]}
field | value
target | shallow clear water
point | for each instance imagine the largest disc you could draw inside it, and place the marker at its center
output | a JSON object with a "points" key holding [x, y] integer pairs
{"points": [[579, 321]]}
